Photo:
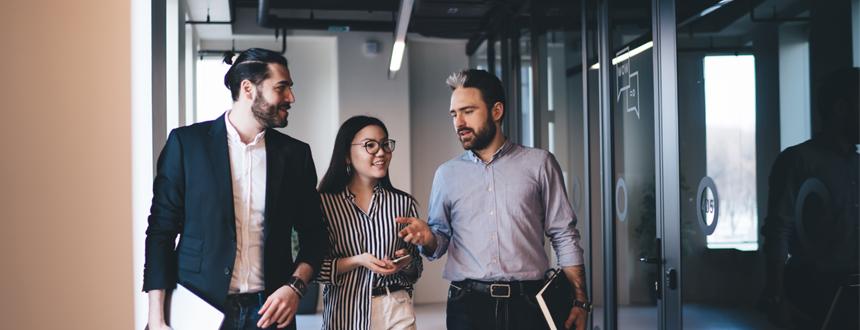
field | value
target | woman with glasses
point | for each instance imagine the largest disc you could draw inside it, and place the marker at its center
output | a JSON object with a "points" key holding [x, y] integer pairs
{"points": [[369, 271]]}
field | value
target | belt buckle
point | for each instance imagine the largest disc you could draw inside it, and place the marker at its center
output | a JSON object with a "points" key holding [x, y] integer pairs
{"points": [[506, 288]]}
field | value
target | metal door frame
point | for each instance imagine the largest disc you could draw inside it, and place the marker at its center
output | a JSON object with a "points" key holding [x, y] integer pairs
{"points": [[666, 164]]}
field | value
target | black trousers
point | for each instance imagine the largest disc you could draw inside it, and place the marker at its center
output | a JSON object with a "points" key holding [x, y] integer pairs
{"points": [[473, 310]]}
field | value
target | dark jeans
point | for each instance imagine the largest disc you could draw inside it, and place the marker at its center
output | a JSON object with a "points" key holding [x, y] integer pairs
{"points": [[472, 310], [241, 312]]}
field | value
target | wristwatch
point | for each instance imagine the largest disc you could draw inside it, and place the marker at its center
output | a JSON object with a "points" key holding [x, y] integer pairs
{"points": [[586, 305], [298, 286]]}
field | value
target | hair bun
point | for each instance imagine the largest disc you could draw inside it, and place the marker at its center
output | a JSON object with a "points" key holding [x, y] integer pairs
{"points": [[228, 57]]}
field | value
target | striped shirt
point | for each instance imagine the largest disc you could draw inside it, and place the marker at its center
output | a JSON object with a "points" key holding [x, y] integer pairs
{"points": [[346, 297]]}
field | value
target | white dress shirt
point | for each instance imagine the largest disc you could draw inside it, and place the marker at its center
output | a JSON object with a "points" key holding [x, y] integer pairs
{"points": [[248, 169]]}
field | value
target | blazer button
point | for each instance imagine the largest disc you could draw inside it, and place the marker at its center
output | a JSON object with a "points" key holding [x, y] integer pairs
{"points": [[227, 271]]}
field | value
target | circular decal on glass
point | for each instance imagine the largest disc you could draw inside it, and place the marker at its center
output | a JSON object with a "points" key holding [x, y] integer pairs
{"points": [[816, 226], [708, 201], [621, 199]]}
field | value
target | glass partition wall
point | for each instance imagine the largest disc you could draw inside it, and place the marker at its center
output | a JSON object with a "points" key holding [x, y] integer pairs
{"points": [[666, 118]]}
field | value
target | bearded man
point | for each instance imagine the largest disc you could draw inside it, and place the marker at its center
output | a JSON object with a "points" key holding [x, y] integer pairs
{"points": [[233, 189], [490, 209]]}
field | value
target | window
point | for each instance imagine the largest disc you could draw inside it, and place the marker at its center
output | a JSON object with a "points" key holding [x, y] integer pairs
{"points": [[730, 119], [213, 98]]}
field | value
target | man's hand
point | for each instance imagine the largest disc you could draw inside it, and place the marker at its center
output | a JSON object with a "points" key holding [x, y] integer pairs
{"points": [[280, 308], [577, 317], [417, 232]]}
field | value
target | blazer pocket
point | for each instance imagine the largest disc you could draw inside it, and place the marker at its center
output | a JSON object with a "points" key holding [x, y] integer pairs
{"points": [[189, 256]]}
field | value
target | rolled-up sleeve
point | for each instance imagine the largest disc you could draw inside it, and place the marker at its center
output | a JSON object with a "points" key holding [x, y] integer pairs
{"points": [[438, 218], [560, 221]]}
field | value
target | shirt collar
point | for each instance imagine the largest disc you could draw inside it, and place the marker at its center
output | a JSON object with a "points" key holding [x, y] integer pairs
{"points": [[472, 156], [233, 134], [350, 196]]}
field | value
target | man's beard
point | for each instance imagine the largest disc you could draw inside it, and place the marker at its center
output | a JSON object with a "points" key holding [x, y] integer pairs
{"points": [[267, 114], [480, 139]]}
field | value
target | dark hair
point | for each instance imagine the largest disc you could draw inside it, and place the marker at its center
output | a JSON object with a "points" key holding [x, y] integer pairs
{"points": [[336, 178], [253, 65], [488, 84], [838, 85]]}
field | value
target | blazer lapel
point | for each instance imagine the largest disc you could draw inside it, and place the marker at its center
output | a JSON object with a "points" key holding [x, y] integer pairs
{"points": [[276, 160], [220, 160]]}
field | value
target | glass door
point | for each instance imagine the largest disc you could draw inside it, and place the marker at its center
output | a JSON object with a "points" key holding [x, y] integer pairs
{"points": [[627, 68], [762, 214], [563, 123]]}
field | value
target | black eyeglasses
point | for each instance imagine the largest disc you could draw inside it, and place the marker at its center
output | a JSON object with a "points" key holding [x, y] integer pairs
{"points": [[372, 146]]}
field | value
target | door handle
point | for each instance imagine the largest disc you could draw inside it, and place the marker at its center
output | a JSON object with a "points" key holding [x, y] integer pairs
{"points": [[649, 260], [657, 262]]}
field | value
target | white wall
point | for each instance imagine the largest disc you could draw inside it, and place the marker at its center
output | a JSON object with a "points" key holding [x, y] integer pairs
{"points": [[795, 124], [66, 170], [314, 116], [141, 146], [433, 138], [366, 90]]}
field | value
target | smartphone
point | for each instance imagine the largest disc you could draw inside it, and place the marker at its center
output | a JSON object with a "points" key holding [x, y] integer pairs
{"points": [[399, 260]]}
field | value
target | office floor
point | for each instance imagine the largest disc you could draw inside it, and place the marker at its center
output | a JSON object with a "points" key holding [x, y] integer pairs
{"points": [[428, 317], [432, 317]]}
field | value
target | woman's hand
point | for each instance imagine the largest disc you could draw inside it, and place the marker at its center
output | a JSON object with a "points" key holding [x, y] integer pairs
{"points": [[402, 263], [380, 266]]}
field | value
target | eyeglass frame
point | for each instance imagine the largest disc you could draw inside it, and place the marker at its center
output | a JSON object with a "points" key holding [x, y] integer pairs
{"points": [[378, 145]]}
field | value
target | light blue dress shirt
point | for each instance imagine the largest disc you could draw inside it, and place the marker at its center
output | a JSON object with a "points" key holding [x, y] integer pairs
{"points": [[491, 217]]}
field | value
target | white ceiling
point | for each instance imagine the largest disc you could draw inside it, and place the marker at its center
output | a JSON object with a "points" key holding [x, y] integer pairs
{"points": [[219, 10]]}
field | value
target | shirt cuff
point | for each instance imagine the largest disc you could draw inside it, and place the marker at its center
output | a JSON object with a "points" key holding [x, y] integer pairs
{"points": [[441, 247], [573, 258], [328, 271]]}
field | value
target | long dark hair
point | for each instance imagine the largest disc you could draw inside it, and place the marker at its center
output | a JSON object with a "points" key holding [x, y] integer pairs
{"points": [[336, 178]]}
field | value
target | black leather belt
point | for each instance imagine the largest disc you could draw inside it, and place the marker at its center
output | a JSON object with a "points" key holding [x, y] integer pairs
{"points": [[378, 291], [500, 289], [246, 299]]}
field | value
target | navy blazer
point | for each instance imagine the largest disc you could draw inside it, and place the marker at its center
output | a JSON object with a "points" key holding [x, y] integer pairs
{"points": [[193, 197]]}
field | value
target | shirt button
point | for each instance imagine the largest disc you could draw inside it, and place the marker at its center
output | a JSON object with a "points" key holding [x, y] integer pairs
{"points": [[490, 189], [227, 271], [492, 212]]}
